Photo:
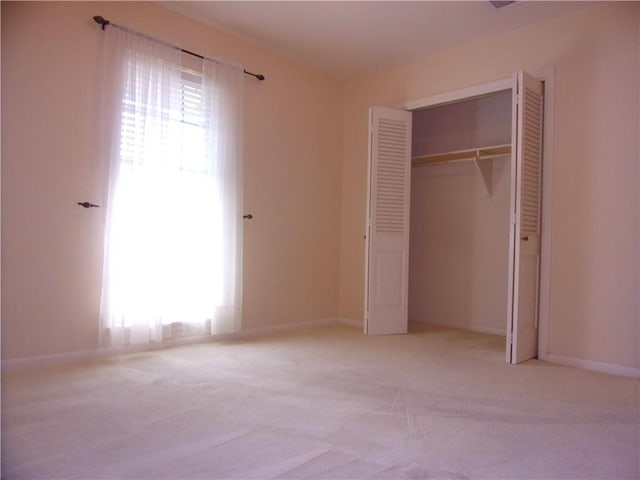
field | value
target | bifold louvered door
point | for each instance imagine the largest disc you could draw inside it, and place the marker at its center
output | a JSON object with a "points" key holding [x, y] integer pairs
{"points": [[387, 235], [524, 255]]}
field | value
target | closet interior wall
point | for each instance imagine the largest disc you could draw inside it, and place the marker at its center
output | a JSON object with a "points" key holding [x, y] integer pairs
{"points": [[459, 240]]}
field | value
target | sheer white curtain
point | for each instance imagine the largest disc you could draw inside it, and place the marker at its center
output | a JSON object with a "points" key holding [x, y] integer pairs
{"points": [[173, 221]]}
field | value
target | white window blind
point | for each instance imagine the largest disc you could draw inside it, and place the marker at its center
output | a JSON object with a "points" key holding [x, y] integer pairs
{"points": [[174, 133]]}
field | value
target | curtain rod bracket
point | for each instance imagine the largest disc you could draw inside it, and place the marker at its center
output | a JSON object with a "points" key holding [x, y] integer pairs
{"points": [[100, 20], [103, 22]]}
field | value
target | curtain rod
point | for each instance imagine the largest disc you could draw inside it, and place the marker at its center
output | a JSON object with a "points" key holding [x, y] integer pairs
{"points": [[103, 22]]}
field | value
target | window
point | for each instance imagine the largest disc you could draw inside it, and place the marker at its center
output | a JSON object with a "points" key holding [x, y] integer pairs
{"points": [[172, 240]]}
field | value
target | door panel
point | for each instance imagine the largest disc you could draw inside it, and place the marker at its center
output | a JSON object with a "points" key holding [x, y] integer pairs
{"points": [[524, 254], [388, 292], [387, 278]]}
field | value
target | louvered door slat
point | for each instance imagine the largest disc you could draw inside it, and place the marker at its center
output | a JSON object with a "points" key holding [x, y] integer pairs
{"points": [[390, 204], [530, 203]]}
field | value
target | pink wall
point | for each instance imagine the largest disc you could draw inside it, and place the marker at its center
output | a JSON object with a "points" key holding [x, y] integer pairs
{"points": [[305, 172], [594, 306], [51, 248]]}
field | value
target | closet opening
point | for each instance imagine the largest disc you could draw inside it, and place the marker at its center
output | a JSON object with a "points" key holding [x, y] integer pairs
{"points": [[459, 214], [454, 209]]}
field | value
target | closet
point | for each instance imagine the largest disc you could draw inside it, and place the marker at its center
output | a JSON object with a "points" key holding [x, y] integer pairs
{"points": [[459, 215], [453, 215]]}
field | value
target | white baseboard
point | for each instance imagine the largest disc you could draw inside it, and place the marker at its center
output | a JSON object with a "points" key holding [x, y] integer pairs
{"points": [[473, 327], [284, 327], [56, 359], [349, 322], [595, 366], [98, 353], [88, 355], [490, 330]]}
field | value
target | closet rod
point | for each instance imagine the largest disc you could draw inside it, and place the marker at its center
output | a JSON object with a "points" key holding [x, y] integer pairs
{"points": [[481, 153], [104, 22]]}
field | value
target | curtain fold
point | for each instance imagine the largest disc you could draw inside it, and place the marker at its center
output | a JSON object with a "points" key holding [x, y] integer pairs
{"points": [[172, 229], [224, 95]]}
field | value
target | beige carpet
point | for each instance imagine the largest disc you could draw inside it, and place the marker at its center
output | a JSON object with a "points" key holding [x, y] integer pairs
{"points": [[322, 403]]}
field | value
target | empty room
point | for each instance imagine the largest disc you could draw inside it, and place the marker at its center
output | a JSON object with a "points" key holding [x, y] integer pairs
{"points": [[342, 240]]}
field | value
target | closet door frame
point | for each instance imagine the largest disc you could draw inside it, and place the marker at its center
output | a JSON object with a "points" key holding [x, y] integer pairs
{"points": [[501, 85]]}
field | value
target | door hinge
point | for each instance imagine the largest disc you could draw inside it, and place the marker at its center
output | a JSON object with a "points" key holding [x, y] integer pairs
{"points": [[510, 338]]}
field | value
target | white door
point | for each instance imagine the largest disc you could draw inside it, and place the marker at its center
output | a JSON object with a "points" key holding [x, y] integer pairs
{"points": [[524, 250], [387, 262]]}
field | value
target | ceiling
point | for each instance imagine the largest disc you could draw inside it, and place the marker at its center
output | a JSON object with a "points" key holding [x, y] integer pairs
{"points": [[344, 39]]}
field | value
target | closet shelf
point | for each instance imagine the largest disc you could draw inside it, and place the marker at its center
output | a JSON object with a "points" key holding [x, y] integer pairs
{"points": [[494, 151], [481, 157]]}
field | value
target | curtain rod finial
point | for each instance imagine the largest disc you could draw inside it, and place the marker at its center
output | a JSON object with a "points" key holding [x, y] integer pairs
{"points": [[101, 21], [259, 76]]}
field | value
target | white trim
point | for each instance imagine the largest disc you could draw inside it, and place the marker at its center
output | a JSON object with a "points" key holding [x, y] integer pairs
{"points": [[489, 330], [348, 322], [101, 353], [367, 224], [86, 355], [469, 327], [55, 359], [285, 327], [609, 368], [638, 319], [460, 94]]}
